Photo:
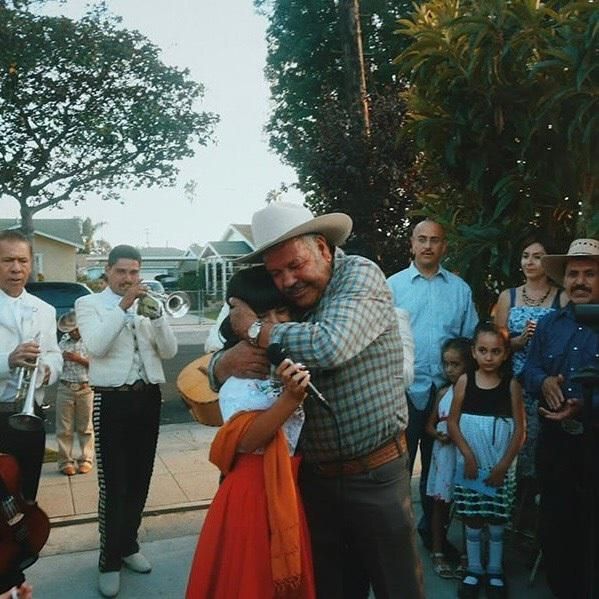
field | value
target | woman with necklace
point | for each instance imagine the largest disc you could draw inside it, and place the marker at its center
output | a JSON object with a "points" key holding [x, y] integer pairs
{"points": [[518, 310]]}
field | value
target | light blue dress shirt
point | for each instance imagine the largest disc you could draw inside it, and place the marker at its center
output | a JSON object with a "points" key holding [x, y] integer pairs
{"points": [[440, 308]]}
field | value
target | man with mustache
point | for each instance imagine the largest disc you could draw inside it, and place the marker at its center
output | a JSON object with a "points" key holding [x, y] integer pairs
{"points": [[560, 347], [125, 351], [440, 307], [354, 477]]}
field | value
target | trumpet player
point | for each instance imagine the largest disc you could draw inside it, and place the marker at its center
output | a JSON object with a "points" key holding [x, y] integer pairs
{"points": [[23, 318], [125, 350]]}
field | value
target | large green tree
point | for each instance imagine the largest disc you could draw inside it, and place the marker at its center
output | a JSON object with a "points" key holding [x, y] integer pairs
{"points": [[317, 125], [504, 105], [88, 107]]}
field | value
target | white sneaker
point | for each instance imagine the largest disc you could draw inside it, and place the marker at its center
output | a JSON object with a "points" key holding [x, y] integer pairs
{"points": [[109, 583], [138, 563]]}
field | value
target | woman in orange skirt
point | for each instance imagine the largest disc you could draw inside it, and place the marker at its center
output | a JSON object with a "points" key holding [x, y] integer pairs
{"points": [[254, 542]]}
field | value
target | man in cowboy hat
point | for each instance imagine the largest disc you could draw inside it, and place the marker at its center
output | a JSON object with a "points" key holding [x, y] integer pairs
{"points": [[354, 480], [74, 401], [561, 346]]}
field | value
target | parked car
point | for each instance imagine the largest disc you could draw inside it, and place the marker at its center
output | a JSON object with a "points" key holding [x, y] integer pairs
{"points": [[61, 295]]}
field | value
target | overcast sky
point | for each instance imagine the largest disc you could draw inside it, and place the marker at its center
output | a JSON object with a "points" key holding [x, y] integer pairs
{"points": [[222, 42]]}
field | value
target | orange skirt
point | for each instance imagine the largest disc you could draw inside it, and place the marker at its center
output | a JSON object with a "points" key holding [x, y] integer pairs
{"points": [[232, 558]]}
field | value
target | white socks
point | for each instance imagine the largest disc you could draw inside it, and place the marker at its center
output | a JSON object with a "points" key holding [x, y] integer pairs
{"points": [[495, 565], [473, 551]]}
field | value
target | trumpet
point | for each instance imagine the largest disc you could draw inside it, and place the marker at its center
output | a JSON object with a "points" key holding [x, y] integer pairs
{"points": [[26, 419], [175, 304]]}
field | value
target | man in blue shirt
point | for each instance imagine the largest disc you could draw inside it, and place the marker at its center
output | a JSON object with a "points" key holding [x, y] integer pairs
{"points": [[560, 347], [440, 307]]}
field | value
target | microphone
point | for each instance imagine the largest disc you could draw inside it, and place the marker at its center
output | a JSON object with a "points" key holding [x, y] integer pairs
{"points": [[277, 354]]}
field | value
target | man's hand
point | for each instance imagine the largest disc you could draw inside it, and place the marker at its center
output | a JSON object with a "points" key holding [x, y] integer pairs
{"points": [[552, 392], [569, 409], [243, 361], [24, 355], [242, 316], [133, 292]]}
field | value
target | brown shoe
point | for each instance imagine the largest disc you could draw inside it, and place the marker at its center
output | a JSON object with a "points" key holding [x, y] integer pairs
{"points": [[69, 470], [84, 468]]}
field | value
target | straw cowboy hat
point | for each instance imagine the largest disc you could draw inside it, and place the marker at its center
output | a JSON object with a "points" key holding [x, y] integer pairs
{"points": [[281, 221], [555, 264]]}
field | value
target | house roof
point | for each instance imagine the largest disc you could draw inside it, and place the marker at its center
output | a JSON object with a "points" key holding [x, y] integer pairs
{"points": [[160, 252], [65, 230], [246, 231], [229, 249]]}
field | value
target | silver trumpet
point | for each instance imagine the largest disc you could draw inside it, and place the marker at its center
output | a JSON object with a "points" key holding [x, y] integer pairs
{"points": [[175, 304], [26, 420]]}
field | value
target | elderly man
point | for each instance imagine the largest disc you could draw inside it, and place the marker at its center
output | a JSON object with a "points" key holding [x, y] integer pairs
{"points": [[27, 334], [354, 477], [125, 350], [560, 347], [440, 307]]}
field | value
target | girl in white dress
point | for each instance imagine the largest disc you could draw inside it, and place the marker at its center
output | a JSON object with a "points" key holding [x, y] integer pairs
{"points": [[457, 358]]}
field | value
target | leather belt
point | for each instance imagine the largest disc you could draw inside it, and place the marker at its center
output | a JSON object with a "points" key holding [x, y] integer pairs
{"points": [[387, 452], [74, 386], [137, 386]]}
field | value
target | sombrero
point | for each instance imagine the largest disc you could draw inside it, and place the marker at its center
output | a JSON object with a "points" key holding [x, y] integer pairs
{"points": [[555, 264]]}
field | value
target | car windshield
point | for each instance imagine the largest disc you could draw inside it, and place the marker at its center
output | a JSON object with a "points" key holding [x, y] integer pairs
{"points": [[61, 296]]}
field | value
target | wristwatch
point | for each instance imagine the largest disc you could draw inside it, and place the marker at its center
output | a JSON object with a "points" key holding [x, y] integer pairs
{"points": [[254, 332]]}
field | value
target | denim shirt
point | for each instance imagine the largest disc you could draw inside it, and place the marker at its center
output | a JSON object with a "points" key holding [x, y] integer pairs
{"points": [[561, 345]]}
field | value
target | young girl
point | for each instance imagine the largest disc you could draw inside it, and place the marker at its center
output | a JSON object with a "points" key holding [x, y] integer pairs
{"points": [[457, 359], [254, 541], [486, 422]]}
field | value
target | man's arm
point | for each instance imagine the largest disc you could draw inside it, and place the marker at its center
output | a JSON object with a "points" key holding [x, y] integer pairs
{"points": [[98, 327], [164, 338], [51, 356], [470, 316]]}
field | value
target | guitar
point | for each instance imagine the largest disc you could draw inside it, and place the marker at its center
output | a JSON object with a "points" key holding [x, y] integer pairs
{"points": [[24, 528], [194, 387]]}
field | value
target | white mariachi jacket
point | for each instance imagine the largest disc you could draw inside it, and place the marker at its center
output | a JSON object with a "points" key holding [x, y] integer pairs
{"points": [[36, 318], [110, 342]]}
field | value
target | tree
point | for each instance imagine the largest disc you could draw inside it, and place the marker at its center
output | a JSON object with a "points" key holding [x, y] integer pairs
{"points": [[88, 232], [88, 107], [503, 105], [345, 160]]}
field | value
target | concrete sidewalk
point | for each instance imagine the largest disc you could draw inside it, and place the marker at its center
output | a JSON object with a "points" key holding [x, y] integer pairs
{"points": [[182, 486]]}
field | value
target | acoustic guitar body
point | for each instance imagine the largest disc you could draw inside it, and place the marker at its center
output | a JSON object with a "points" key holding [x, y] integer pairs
{"points": [[194, 387], [24, 529]]}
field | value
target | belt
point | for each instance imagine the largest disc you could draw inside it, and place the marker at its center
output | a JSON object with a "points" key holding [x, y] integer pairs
{"points": [[8, 407], [387, 452], [74, 386], [139, 385]]}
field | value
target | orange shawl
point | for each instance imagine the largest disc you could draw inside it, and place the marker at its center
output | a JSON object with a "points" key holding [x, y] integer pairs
{"points": [[281, 497]]}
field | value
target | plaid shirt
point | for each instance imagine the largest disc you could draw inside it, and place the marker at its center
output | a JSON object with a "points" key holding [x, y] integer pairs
{"points": [[350, 342], [73, 372]]}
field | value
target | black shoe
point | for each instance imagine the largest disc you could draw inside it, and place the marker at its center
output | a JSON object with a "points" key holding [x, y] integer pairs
{"points": [[494, 591], [470, 591]]}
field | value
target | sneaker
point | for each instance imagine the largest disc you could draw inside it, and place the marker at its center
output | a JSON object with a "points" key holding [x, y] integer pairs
{"points": [[84, 468], [68, 470], [138, 563], [469, 589], [109, 583]]}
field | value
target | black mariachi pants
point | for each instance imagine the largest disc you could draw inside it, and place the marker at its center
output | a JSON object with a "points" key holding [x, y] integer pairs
{"points": [[126, 432]]}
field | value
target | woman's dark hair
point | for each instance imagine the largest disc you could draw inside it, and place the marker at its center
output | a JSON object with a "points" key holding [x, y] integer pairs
{"points": [[255, 287], [535, 236], [463, 346], [488, 326]]}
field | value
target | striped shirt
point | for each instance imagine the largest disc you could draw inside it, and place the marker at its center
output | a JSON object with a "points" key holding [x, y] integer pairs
{"points": [[351, 344], [73, 372]]}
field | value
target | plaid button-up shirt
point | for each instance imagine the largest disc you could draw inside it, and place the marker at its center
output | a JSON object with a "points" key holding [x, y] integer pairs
{"points": [[73, 372], [350, 342]]}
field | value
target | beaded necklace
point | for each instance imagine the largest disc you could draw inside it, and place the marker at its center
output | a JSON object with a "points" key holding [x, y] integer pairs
{"points": [[534, 302]]}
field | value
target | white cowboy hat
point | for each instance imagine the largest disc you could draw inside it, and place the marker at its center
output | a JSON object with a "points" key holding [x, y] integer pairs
{"points": [[281, 221], [555, 264]]}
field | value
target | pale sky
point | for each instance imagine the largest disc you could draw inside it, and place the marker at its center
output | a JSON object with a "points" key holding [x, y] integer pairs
{"points": [[222, 43]]}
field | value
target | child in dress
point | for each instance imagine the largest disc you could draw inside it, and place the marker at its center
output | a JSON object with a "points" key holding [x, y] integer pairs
{"points": [[254, 542], [486, 422], [457, 359]]}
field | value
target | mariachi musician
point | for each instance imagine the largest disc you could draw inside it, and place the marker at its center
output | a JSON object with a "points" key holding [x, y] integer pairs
{"points": [[27, 339]]}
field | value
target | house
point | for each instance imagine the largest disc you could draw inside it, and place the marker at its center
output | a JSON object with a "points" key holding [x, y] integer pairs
{"points": [[219, 256], [56, 242]]}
